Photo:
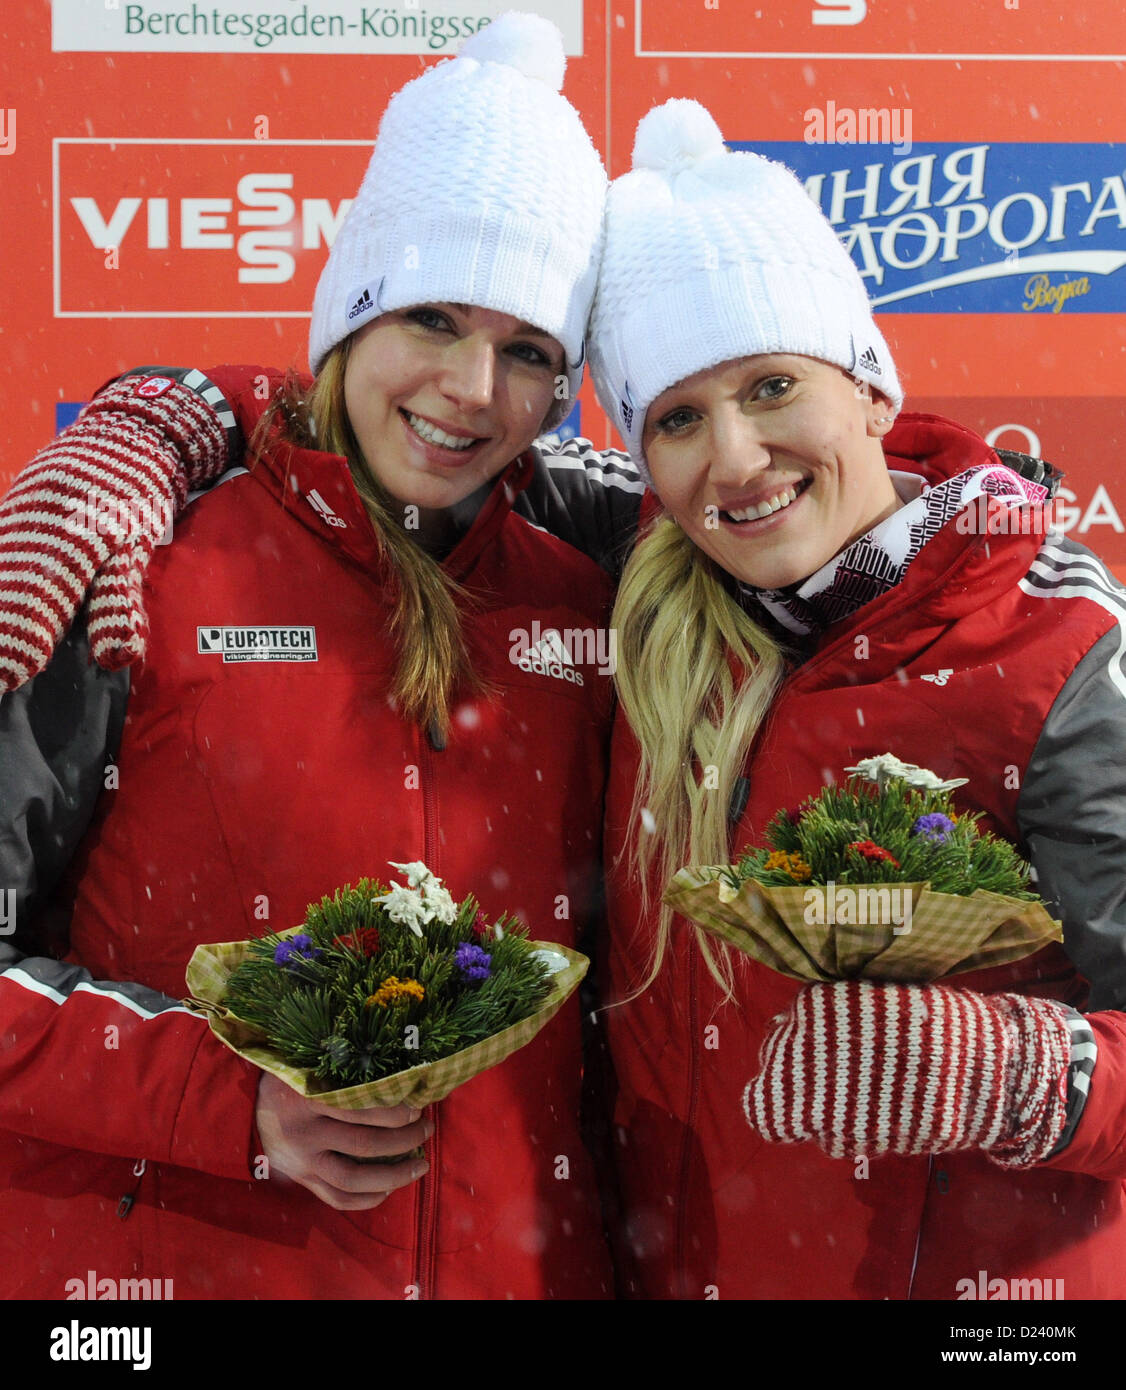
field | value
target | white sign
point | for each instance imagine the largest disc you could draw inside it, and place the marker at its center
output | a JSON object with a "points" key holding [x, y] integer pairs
{"points": [[433, 28], [258, 643]]}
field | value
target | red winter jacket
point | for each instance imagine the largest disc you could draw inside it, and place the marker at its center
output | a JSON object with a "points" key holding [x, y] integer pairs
{"points": [[997, 658], [244, 790]]}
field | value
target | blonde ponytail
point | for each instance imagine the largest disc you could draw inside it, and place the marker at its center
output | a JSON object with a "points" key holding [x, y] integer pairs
{"points": [[678, 627]]}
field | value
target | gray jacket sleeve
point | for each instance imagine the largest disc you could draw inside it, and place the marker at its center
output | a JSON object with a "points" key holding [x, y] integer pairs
{"points": [[58, 733], [1072, 815], [588, 498]]}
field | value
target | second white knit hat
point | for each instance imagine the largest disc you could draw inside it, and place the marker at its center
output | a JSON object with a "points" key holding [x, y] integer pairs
{"points": [[483, 188], [710, 255]]}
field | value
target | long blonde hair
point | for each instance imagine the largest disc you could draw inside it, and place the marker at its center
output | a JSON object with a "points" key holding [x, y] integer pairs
{"points": [[433, 659], [694, 719]]}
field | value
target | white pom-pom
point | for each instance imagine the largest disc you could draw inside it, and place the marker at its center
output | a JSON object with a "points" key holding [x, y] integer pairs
{"points": [[526, 42], [673, 136]]}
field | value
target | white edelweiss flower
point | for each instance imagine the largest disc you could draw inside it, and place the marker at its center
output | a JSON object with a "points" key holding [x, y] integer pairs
{"points": [[922, 777], [440, 906], [886, 765], [881, 770], [416, 871], [406, 907], [929, 781]]}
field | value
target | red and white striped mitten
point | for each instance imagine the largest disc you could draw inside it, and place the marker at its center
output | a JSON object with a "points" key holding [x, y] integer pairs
{"points": [[86, 513], [874, 1068]]}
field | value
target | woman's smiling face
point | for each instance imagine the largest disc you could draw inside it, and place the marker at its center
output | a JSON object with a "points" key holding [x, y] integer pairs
{"points": [[771, 465], [442, 397]]}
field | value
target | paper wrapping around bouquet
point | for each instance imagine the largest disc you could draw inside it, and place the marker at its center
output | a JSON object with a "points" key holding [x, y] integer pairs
{"points": [[211, 967], [948, 934]]}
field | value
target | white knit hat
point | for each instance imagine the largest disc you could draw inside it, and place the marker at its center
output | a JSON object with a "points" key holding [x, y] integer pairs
{"points": [[712, 255], [484, 188]]}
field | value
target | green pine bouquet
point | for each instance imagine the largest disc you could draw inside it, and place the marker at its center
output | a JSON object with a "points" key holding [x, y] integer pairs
{"points": [[385, 995], [879, 879]]}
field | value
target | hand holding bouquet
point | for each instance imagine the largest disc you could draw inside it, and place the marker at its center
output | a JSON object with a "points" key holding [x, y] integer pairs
{"points": [[868, 894]]}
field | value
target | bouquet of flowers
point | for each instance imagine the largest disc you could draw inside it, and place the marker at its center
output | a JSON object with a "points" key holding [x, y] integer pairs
{"points": [[386, 995], [880, 879]]}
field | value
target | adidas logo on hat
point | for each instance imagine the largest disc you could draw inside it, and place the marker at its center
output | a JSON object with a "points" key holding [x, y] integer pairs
{"points": [[870, 362], [626, 404], [363, 305]]}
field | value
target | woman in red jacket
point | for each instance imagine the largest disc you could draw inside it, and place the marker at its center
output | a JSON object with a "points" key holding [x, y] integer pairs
{"points": [[828, 583], [375, 560]]}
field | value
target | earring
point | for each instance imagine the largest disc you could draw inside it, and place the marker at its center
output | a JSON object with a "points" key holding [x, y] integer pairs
{"points": [[884, 419]]}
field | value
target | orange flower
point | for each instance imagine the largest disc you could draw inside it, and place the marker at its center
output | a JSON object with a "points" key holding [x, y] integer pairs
{"points": [[792, 864], [392, 990]]}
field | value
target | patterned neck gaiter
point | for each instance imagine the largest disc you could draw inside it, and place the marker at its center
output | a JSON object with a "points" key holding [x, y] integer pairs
{"points": [[878, 560]]}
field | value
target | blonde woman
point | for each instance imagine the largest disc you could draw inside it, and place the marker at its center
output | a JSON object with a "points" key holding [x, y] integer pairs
{"points": [[328, 682], [831, 580]]}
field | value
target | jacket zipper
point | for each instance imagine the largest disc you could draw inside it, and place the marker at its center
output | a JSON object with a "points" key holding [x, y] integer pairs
{"points": [[426, 1238], [941, 1182], [125, 1205], [690, 1120]]}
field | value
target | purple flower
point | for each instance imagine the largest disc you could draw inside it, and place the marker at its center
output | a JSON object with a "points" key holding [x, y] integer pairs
{"points": [[473, 963], [934, 827], [292, 952]]}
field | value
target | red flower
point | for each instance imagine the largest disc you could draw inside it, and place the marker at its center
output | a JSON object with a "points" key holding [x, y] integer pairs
{"points": [[870, 850], [481, 923], [364, 941]]}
